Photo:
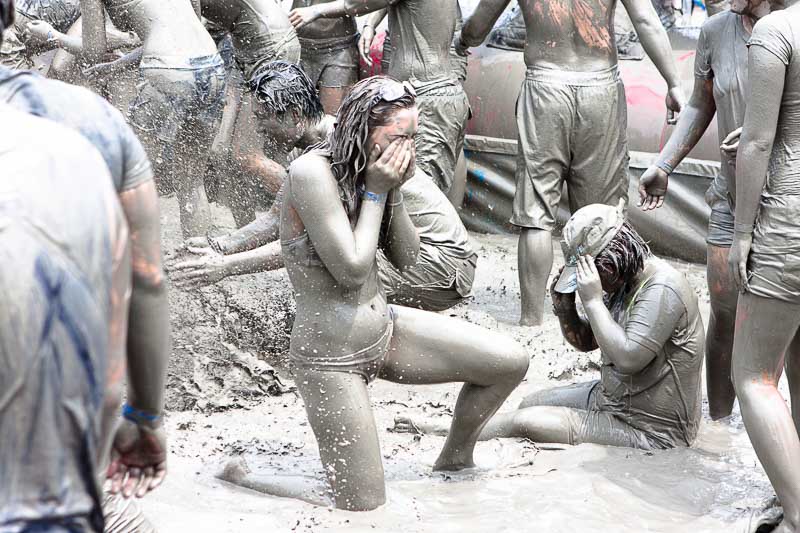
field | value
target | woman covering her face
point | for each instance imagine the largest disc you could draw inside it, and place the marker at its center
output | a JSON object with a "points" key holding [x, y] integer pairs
{"points": [[342, 203]]}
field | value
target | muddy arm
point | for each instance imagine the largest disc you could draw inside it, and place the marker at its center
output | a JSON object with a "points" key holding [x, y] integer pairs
{"points": [[576, 330], [349, 254], [93, 31], [148, 326], [261, 231], [654, 316], [767, 78], [692, 123], [483, 19], [402, 242], [654, 39]]}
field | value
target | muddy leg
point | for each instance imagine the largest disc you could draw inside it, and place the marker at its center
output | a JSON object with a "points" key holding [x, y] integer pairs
{"points": [[313, 491], [535, 261], [457, 191], [719, 339], [191, 159], [792, 365], [765, 328], [430, 348], [331, 98]]}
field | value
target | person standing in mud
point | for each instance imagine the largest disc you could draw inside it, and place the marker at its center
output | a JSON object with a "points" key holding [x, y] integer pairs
{"points": [[329, 55], [572, 118], [181, 94], [720, 73], [64, 278], [342, 204], [765, 254], [141, 444], [422, 32], [644, 317]]}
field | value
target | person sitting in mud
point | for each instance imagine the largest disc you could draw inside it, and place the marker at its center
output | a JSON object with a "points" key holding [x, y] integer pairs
{"points": [[342, 204], [644, 317], [64, 279], [181, 95], [720, 88], [422, 33], [329, 55], [141, 446], [445, 268]]}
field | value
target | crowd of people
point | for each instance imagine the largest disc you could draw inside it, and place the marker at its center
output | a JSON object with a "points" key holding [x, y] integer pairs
{"points": [[353, 186]]}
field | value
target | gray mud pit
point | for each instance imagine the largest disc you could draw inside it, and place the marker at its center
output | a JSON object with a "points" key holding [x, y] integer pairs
{"points": [[224, 401]]}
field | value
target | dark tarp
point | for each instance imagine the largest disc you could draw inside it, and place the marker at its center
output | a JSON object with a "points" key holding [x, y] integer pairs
{"points": [[677, 230]]}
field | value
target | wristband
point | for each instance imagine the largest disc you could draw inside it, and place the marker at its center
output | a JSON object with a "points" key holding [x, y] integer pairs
{"points": [[137, 415], [746, 229], [377, 198], [666, 167]]}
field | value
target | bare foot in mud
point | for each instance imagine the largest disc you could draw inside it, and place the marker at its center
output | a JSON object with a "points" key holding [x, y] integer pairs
{"points": [[235, 471], [530, 322], [420, 426], [453, 464]]}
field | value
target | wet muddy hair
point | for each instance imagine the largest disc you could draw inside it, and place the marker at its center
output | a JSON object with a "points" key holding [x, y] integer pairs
{"points": [[363, 108], [624, 256], [282, 87], [6, 16]]}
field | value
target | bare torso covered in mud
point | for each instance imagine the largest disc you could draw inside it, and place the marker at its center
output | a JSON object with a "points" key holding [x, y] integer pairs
{"points": [[260, 29], [166, 27], [570, 34], [323, 28], [325, 308]]}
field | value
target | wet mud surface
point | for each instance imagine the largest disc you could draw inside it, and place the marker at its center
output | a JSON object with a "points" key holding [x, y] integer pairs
{"points": [[230, 395]]}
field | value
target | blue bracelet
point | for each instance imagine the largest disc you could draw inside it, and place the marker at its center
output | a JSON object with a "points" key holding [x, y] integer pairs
{"points": [[137, 415], [377, 198]]}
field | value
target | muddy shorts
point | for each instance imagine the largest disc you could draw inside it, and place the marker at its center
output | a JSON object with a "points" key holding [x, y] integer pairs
{"points": [[588, 423], [774, 262], [720, 222], [437, 282], [179, 99], [367, 362], [573, 130], [443, 114], [330, 63]]}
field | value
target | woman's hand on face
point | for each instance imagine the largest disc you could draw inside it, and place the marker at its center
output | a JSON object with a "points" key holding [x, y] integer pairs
{"points": [[589, 286], [388, 169]]}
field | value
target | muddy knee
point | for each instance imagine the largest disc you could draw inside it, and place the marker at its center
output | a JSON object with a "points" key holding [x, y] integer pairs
{"points": [[513, 362]]}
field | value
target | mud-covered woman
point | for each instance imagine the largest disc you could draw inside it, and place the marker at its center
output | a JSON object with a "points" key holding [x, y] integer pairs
{"points": [[342, 203], [765, 255]]}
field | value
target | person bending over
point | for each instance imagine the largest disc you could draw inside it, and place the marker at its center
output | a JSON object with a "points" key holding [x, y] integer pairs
{"points": [[342, 204], [720, 72], [445, 268], [644, 317]]}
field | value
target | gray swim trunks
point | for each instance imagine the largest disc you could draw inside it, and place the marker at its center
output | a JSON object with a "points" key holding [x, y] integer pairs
{"points": [[720, 222], [573, 129], [330, 63]]}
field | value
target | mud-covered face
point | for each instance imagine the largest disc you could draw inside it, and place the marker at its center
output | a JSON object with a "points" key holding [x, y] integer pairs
{"points": [[402, 124], [285, 129], [609, 279]]}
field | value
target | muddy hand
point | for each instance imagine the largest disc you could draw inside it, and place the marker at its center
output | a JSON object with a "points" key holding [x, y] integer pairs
{"points": [[303, 16], [461, 48], [652, 188], [589, 286], [365, 43], [40, 32], [138, 459], [208, 269], [562, 302], [675, 102], [386, 170], [731, 142], [737, 260]]}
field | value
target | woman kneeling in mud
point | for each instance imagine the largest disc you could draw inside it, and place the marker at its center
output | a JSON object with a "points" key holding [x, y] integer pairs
{"points": [[644, 317], [342, 203]]}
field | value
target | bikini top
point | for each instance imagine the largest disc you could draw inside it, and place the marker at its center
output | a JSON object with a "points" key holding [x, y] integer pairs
{"points": [[301, 251]]}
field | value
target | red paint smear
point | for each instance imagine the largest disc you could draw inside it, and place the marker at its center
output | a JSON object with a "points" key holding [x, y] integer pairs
{"points": [[644, 96], [686, 56], [589, 27]]}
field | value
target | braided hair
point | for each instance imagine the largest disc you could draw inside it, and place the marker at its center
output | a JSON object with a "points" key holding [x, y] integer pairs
{"points": [[282, 87], [363, 108]]}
